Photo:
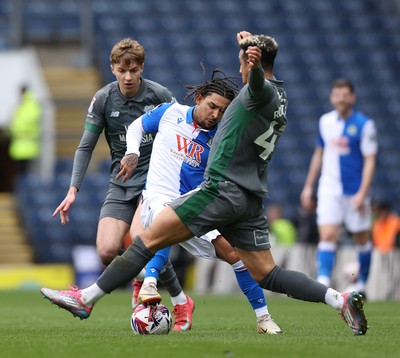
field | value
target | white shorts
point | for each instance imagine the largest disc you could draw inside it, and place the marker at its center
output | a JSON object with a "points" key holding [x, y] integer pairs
{"points": [[151, 207], [202, 246], [197, 246], [338, 209]]}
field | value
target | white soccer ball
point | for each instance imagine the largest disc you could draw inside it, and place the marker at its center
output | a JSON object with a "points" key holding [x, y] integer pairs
{"points": [[151, 319]]}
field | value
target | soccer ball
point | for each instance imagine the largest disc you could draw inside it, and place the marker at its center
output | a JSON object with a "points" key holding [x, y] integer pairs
{"points": [[151, 320]]}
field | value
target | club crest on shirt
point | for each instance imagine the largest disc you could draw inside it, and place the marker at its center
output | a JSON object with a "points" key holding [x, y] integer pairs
{"points": [[148, 108], [352, 130]]}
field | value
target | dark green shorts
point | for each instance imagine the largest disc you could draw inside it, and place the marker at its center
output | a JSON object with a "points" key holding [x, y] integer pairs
{"points": [[236, 213], [120, 203]]}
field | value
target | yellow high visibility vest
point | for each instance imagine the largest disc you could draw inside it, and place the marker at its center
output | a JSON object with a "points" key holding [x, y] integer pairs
{"points": [[25, 129]]}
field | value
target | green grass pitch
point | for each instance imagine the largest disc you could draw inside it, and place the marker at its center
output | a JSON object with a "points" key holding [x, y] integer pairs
{"points": [[224, 326]]}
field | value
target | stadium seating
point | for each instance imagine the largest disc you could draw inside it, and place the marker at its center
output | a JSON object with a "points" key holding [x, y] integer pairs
{"points": [[51, 241]]}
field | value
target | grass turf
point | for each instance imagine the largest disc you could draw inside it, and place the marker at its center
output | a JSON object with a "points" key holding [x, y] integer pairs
{"points": [[224, 326]]}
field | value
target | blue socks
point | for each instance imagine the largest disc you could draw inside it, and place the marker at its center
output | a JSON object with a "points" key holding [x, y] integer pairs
{"points": [[157, 263], [364, 259], [249, 287], [326, 255]]}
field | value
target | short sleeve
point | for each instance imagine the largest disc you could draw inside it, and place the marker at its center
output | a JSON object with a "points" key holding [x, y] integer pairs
{"points": [[320, 141], [151, 119], [369, 140]]}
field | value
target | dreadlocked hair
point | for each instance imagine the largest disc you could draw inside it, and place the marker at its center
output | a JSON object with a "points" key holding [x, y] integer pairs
{"points": [[219, 84]]}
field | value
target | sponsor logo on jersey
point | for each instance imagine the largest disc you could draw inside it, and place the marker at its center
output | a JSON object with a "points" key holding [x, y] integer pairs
{"points": [[188, 151], [180, 120], [114, 114], [122, 136], [341, 145], [90, 109], [191, 149], [147, 138]]}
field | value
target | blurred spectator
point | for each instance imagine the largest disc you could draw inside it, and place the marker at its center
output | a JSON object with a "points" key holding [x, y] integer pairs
{"points": [[25, 130], [305, 223], [386, 227], [281, 230], [6, 164], [282, 233]]}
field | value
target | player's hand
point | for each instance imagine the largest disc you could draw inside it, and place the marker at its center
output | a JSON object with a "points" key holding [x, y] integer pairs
{"points": [[241, 35], [66, 205], [128, 165], [253, 56], [306, 198], [358, 203]]}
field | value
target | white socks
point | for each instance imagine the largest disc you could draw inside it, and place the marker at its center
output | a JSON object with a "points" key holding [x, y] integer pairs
{"points": [[179, 300], [334, 299], [261, 311], [92, 294], [150, 279]]}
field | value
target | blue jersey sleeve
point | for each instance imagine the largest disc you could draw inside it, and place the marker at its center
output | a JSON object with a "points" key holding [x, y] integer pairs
{"points": [[151, 119]]}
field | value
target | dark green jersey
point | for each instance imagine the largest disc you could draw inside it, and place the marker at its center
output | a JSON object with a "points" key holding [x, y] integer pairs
{"points": [[112, 112], [248, 133]]}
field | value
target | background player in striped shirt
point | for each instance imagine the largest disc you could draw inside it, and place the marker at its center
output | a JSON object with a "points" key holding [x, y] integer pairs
{"points": [[345, 157]]}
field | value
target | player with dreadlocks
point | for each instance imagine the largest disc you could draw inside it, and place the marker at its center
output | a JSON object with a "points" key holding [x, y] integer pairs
{"points": [[178, 160], [177, 164]]}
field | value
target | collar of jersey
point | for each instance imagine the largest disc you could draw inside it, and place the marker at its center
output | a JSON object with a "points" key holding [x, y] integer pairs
{"points": [[189, 117]]}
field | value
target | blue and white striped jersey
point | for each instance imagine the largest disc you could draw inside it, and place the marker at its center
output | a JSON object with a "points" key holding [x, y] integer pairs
{"points": [[345, 143]]}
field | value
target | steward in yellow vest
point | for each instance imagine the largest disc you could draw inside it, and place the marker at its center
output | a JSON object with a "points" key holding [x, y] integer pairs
{"points": [[25, 128]]}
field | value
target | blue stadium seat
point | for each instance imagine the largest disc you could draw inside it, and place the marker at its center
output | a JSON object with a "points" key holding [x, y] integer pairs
{"points": [[53, 252]]}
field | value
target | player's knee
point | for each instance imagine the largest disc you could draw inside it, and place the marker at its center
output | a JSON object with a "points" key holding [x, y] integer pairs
{"points": [[151, 243], [258, 273], [106, 254], [230, 257]]}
